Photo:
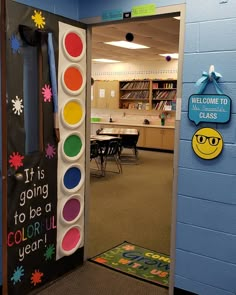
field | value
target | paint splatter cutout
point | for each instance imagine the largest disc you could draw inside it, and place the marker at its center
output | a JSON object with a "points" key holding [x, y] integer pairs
{"points": [[17, 105], [38, 19], [15, 44], [17, 275], [36, 277], [47, 93], [16, 160], [50, 151], [50, 251]]}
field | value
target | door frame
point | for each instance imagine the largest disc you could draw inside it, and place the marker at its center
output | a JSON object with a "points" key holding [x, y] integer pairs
{"points": [[97, 21]]}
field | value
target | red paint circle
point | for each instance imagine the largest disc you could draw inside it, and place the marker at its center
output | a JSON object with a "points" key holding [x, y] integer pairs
{"points": [[73, 78], [71, 239], [73, 44]]}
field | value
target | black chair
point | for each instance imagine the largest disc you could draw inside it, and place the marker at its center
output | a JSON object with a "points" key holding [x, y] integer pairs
{"points": [[129, 142], [110, 150], [94, 153]]}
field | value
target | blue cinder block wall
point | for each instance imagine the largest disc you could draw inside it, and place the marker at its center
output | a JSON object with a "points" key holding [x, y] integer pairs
{"points": [[206, 201], [206, 204]]}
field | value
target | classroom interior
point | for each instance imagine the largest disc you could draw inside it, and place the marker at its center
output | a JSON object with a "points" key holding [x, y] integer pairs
{"points": [[144, 188]]}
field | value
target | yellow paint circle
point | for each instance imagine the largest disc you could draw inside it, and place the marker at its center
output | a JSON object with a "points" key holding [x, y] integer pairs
{"points": [[72, 113], [207, 143]]}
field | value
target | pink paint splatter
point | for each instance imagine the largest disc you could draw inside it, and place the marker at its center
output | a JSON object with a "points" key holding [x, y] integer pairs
{"points": [[50, 151], [47, 93]]}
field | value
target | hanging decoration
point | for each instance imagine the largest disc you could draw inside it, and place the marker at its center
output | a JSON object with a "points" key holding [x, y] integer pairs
{"points": [[207, 143], [211, 108]]}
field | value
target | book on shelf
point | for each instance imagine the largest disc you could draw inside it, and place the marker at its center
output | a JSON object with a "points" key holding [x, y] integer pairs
{"points": [[135, 85], [164, 94], [166, 105], [140, 94], [155, 85]]}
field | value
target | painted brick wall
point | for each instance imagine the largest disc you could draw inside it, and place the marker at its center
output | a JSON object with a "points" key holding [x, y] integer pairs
{"points": [[96, 7], [206, 219], [66, 8]]}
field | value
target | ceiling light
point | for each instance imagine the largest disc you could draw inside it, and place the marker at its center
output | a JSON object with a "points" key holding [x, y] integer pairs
{"points": [[172, 55], [177, 17], [125, 44], [104, 60]]}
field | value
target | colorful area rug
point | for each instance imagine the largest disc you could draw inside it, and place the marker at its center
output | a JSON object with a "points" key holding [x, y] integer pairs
{"points": [[138, 262]]}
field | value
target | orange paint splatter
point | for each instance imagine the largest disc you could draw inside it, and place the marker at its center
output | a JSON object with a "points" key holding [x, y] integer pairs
{"points": [[36, 277]]}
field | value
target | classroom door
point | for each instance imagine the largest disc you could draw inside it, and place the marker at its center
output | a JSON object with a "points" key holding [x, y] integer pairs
{"points": [[45, 147]]}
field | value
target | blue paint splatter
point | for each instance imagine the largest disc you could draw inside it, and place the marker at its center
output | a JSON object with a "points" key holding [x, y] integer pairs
{"points": [[18, 273], [15, 44]]}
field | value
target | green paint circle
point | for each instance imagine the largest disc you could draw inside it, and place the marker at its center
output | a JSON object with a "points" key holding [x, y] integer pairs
{"points": [[72, 145]]}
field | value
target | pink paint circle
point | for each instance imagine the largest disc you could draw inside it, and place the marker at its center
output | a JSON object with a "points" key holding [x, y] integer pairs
{"points": [[71, 239], [73, 44], [71, 209]]}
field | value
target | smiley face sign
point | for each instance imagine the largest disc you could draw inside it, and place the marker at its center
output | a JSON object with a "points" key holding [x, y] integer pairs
{"points": [[207, 143]]}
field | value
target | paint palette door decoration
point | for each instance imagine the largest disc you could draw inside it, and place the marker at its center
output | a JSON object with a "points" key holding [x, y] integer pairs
{"points": [[71, 106], [45, 147]]}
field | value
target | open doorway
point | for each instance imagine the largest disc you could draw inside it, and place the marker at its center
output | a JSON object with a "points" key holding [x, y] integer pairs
{"points": [[139, 201]]}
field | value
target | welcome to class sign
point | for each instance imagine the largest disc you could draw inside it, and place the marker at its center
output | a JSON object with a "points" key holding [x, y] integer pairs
{"points": [[211, 108]]}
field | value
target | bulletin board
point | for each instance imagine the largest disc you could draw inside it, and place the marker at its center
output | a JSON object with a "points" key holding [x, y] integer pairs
{"points": [[45, 110]]}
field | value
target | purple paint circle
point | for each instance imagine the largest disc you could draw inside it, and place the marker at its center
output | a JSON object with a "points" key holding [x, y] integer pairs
{"points": [[71, 239], [71, 209]]}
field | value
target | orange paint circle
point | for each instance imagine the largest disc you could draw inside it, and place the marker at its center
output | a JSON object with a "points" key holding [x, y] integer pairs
{"points": [[73, 78], [72, 113]]}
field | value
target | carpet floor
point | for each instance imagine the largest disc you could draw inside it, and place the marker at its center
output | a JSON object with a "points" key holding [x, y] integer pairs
{"points": [[134, 206], [92, 279]]}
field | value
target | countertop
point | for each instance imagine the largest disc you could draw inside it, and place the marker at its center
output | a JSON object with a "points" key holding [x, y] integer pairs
{"points": [[133, 124]]}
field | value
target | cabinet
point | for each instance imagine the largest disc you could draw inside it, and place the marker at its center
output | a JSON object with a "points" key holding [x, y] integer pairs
{"points": [[105, 95], [135, 94], [160, 138], [149, 137], [164, 95]]}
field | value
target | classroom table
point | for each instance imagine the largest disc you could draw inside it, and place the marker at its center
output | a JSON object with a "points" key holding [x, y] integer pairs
{"points": [[129, 138], [118, 131]]}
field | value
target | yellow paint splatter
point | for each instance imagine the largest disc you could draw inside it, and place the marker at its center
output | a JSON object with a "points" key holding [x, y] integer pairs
{"points": [[38, 19]]}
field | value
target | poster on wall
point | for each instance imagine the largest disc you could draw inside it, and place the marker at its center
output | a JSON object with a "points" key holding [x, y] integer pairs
{"points": [[46, 78]]}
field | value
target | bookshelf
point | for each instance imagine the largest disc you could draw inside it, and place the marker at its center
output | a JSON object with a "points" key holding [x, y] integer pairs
{"points": [[135, 94], [148, 94], [164, 95]]}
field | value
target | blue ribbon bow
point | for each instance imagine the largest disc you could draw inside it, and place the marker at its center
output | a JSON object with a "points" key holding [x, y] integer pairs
{"points": [[205, 79]]}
